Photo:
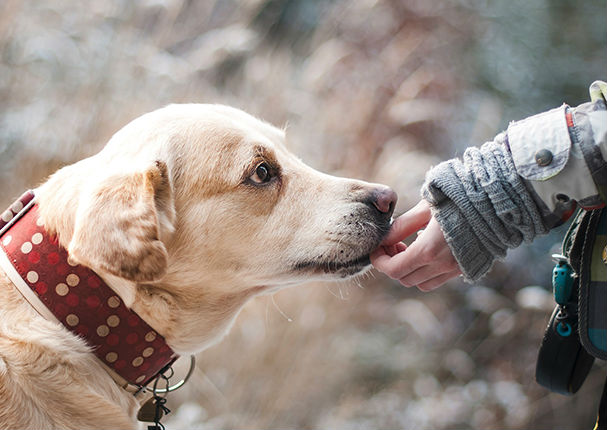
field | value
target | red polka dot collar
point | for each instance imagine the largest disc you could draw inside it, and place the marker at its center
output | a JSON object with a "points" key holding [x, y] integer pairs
{"points": [[77, 297]]}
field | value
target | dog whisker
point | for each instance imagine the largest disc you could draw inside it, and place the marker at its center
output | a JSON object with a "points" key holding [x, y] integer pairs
{"points": [[280, 310], [332, 293]]}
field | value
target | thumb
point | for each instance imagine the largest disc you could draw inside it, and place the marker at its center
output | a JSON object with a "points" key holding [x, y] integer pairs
{"points": [[408, 223]]}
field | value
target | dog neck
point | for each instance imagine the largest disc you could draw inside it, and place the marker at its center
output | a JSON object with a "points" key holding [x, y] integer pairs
{"points": [[77, 297]]}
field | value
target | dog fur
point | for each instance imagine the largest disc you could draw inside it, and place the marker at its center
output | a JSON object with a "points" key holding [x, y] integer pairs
{"points": [[179, 219]]}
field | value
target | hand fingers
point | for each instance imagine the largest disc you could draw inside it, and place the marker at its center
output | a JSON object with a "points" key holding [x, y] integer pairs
{"points": [[398, 265], [379, 254], [438, 281], [408, 223], [387, 251], [398, 247], [429, 253], [429, 272]]}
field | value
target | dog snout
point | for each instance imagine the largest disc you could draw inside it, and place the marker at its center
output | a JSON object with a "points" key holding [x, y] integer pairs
{"points": [[384, 200]]}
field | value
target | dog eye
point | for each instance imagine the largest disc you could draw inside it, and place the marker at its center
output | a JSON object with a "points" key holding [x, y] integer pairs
{"points": [[262, 174]]}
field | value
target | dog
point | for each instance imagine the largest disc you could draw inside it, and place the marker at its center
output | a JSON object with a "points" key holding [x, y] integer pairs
{"points": [[186, 214]]}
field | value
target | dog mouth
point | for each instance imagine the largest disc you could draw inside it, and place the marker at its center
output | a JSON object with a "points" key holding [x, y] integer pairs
{"points": [[351, 256], [342, 268]]}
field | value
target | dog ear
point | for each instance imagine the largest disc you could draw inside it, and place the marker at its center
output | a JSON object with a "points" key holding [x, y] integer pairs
{"points": [[119, 225]]}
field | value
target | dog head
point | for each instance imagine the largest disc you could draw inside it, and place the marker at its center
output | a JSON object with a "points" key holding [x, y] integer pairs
{"points": [[192, 209]]}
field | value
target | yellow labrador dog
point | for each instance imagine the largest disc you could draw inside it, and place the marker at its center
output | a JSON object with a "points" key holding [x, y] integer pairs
{"points": [[186, 214]]}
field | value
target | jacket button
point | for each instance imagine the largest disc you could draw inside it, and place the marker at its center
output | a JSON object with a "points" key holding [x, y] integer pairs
{"points": [[543, 157]]}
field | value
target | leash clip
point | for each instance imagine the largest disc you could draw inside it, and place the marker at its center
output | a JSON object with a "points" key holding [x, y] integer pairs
{"points": [[154, 409], [179, 384]]}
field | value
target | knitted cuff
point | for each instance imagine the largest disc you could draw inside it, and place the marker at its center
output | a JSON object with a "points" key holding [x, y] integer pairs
{"points": [[471, 255], [483, 206]]}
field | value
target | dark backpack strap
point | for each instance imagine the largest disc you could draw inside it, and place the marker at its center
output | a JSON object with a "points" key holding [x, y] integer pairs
{"points": [[562, 362], [593, 285]]}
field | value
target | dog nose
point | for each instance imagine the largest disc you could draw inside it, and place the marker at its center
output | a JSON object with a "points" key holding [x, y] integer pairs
{"points": [[384, 199]]}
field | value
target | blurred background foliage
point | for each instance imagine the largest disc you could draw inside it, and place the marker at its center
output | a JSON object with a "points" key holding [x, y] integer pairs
{"points": [[375, 89]]}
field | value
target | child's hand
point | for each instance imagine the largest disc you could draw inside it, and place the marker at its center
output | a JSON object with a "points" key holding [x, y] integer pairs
{"points": [[427, 263]]}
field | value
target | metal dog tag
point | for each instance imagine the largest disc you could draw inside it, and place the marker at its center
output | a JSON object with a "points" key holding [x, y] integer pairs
{"points": [[147, 412]]}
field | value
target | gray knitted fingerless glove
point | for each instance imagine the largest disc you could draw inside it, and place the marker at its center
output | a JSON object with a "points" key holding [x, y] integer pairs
{"points": [[483, 206]]}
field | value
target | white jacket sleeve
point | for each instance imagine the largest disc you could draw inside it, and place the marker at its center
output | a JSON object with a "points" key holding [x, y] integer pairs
{"points": [[562, 155]]}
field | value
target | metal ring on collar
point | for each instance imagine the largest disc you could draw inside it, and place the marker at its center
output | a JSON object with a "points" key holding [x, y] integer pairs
{"points": [[181, 383]]}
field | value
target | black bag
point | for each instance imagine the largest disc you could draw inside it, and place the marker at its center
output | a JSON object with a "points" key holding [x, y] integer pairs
{"points": [[577, 331]]}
